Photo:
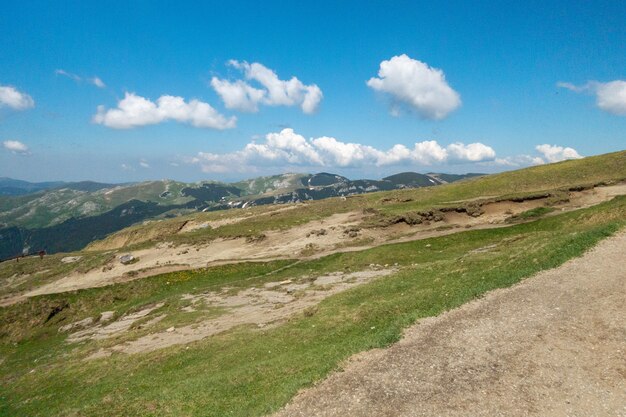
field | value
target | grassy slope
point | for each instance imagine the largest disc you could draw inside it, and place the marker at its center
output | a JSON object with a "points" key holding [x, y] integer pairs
{"points": [[246, 372]]}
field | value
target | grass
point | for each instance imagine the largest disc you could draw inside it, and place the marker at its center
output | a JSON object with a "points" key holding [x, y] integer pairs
{"points": [[31, 272], [247, 372], [531, 214]]}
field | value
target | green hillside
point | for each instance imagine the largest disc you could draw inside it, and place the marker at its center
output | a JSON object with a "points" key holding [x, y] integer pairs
{"points": [[252, 371]]}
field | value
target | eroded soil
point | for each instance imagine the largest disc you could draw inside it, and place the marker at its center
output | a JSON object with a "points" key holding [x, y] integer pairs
{"points": [[259, 307], [339, 232]]}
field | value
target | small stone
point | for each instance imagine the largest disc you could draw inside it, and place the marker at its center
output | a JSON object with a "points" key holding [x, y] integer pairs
{"points": [[106, 315], [170, 329]]}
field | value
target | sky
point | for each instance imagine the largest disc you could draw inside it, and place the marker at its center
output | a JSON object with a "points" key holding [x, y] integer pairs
{"points": [[127, 91]]}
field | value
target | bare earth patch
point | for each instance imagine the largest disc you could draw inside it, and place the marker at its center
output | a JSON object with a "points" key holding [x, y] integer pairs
{"points": [[261, 307], [553, 345], [337, 233]]}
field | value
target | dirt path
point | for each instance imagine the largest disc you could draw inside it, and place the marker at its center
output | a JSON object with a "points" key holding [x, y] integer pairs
{"points": [[553, 345]]}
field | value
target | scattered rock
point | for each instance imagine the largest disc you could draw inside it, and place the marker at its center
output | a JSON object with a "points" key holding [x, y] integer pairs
{"points": [[70, 259], [81, 323], [352, 231], [106, 315], [320, 232], [128, 259], [256, 238], [277, 284], [170, 329]]}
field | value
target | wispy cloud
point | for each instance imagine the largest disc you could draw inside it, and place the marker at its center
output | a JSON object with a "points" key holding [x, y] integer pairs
{"points": [[240, 95], [610, 96], [14, 99], [134, 111], [414, 85], [97, 81], [287, 148]]}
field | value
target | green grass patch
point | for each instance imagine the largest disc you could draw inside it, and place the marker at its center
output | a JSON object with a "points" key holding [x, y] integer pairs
{"points": [[249, 372], [531, 214]]}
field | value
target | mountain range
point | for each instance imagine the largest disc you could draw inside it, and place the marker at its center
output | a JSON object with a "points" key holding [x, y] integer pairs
{"points": [[66, 216]]}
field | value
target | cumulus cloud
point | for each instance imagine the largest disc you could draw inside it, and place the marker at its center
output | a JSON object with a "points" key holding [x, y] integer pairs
{"points": [[16, 147], [554, 153], [133, 111], [240, 95], [287, 148], [11, 97], [143, 163], [549, 154], [610, 96], [416, 85], [519, 161], [474, 152], [97, 81]]}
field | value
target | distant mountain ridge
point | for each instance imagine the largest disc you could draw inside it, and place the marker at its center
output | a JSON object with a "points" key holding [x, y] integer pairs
{"points": [[59, 216], [13, 187]]}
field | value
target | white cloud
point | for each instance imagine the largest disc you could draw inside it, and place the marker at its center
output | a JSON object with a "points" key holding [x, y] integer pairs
{"points": [[97, 81], [571, 87], [287, 148], [11, 97], [519, 161], [549, 154], [415, 84], [240, 95], [68, 75], [610, 96], [143, 163], [473, 152], [126, 167], [133, 111], [554, 153], [16, 147]]}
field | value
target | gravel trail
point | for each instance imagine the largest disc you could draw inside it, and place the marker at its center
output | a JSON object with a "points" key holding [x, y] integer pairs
{"points": [[552, 345]]}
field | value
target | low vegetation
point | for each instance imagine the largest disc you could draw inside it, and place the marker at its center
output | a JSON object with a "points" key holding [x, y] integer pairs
{"points": [[531, 214], [248, 371]]}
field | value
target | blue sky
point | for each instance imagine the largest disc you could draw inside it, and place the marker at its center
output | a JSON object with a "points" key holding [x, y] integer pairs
{"points": [[486, 73]]}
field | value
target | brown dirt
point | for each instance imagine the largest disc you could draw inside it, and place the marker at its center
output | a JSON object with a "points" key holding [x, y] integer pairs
{"points": [[299, 242], [261, 307], [101, 331], [553, 345]]}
